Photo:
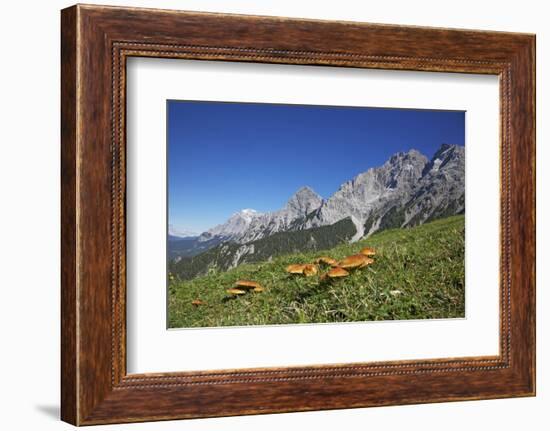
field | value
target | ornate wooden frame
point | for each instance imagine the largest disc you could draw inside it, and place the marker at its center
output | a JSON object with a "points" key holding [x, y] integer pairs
{"points": [[95, 43]]}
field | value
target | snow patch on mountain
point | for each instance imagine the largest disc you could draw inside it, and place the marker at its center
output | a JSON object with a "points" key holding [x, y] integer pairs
{"points": [[236, 225]]}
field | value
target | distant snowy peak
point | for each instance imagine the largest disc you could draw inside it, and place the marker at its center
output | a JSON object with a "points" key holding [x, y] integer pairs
{"points": [[237, 224], [247, 214], [248, 224], [180, 233], [300, 204]]}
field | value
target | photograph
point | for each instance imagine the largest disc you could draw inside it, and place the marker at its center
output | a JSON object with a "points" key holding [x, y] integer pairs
{"points": [[302, 214]]}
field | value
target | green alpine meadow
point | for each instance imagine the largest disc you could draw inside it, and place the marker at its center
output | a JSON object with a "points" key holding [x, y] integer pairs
{"points": [[417, 273]]}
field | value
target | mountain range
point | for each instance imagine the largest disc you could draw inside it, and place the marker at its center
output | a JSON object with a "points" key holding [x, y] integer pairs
{"points": [[407, 190]]}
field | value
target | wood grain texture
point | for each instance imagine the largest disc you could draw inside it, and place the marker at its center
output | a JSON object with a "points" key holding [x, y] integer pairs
{"points": [[69, 366], [96, 41]]}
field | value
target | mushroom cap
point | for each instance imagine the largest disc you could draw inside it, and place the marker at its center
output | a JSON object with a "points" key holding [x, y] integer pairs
{"points": [[367, 251], [197, 302], [310, 270], [355, 261], [337, 272], [326, 260], [235, 291], [247, 284], [368, 261], [258, 289], [295, 268]]}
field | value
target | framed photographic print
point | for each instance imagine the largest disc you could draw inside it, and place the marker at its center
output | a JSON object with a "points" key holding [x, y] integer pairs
{"points": [[297, 214]]}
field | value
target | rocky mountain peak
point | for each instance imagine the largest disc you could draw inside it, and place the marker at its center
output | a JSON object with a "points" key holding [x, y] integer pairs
{"points": [[237, 224], [247, 214], [443, 156], [403, 169], [445, 148], [447, 151], [405, 156], [304, 201]]}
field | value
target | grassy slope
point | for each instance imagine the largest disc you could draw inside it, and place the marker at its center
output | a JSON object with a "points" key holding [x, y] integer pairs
{"points": [[425, 264]]}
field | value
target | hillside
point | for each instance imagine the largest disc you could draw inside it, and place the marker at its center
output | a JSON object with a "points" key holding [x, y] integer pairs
{"points": [[418, 274]]}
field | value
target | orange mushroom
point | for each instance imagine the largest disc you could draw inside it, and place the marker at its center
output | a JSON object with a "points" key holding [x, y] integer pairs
{"points": [[310, 270], [258, 289], [367, 251], [355, 261], [235, 292], [326, 260], [295, 269], [247, 285], [197, 302], [337, 272]]}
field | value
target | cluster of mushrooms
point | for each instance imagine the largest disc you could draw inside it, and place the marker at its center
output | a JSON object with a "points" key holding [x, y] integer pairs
{"points": [[241, 287], [245, 286], [338, 269]]}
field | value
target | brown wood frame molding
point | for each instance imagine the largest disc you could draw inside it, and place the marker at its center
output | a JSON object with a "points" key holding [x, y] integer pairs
{"points": [[95, 43]]}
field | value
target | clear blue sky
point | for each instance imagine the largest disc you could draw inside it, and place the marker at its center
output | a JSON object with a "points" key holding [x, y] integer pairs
{"points": [[223, 157]]}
